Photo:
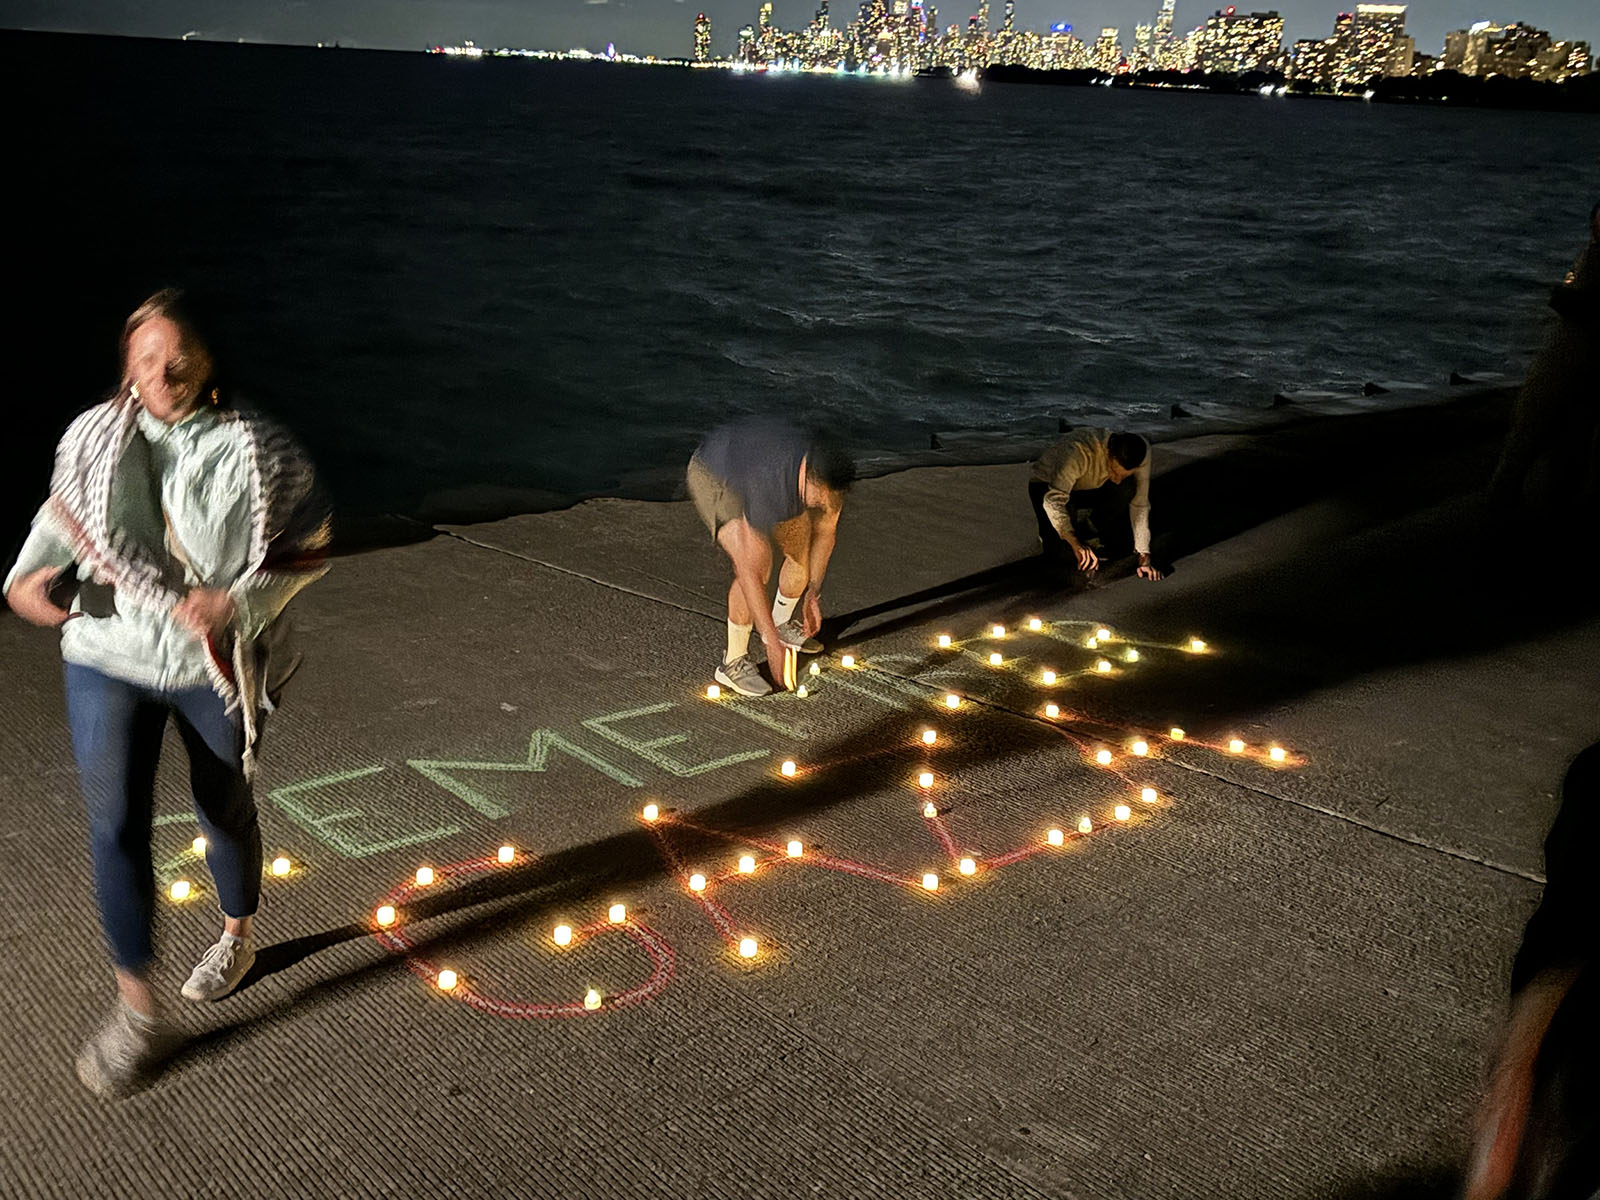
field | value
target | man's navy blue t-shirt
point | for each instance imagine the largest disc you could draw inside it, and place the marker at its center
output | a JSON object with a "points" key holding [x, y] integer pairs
{"points": [[759, 458]]}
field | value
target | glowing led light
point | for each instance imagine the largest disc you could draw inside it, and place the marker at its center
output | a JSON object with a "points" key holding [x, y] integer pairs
{"points": [[1103, 634], [424, 876], [944, 641], [801, 691], [592, 1000], [280, 866], [1092, 643], [562, 935], [1055, 837], [968, 867], [747, 864], [651, 812], [1140, 749], [198, 845], [1052, 710], [1103, 666], [1196, 646], [506, 854], [1086, 826], [1103, 757], [930, 881], [1277, 754], [747, 947], [847, 660], [1047, 676], [447, 980], [816, 668], [930, 810], [952, 701], [697, 882], [995, 659], [1131, 656], [713, 691], [925, 779], [179, 890], [795, 849], [1176, 734], [1148, 795], [929, 737], [1122, 812], [617, 914], [384, 916], [998, 631], [1035, 624], [788, 767], [1236, 747]]}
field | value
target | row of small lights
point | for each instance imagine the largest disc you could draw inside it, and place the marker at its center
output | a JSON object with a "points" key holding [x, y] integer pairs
{"points": [[181, 889]]}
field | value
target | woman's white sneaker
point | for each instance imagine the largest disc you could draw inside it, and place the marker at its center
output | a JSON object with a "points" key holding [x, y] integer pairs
{"points": [[220, 969]]}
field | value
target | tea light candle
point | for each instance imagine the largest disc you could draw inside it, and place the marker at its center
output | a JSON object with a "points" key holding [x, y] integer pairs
{"points": [[424, 876], [930, 810], [1047, 676], [929, 737], [998, 631], [925, 779], [747, 864], [592, 1000], [1103, 634], [180, 889], [1052, 711], [384, 916], [847, 660], [801, 691], [952, 701], [507, 854], [1176, 734], [617, 914], [1035, 624], [968, 867], [697, 882], [1131, 656], [944, 641], [198, 845], [1122, 812], [794, 849], [1103, 757], [788, 768], [1055, 837], [1277, 754], [280, 866], [447, 980], [1140, 749], [651, 812], [1086, 826], [562, 935], [1236, 746], [1103, 666], [747, 947], [995, 659], [1196, 646], [1148, 795], [816, 668], [713, 691], [930, 881], [1092, 643]]}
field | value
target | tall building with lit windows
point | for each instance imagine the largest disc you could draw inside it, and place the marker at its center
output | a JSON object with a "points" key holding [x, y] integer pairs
{"points": [[1380, 43], [1108, 50], [702, 38], [1233, 42]]}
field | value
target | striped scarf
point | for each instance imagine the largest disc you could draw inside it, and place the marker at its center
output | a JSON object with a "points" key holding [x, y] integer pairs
{"points": [[289, 537]]}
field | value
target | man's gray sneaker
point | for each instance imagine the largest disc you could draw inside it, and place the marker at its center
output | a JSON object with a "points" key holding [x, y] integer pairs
{"points": [[220, 969], [793, 635], [743, 676], [119, 1058]]}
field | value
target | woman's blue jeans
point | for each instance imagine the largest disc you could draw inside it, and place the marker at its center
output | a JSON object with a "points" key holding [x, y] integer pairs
{"points": [[116, 738]]}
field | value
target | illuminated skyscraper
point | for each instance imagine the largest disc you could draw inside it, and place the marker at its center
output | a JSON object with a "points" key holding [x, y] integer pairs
{"points": [[1108, 50], [1377, 46], [1234, 42], [1011, 15], [1164, 19], [983, 16], [702, 38]]}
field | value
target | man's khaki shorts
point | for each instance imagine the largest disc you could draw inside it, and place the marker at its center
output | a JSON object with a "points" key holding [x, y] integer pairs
{"points": [[714, 500]]}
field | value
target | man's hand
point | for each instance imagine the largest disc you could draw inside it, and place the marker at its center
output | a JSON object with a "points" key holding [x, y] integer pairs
{"points": [[775, 654], [812, 618], [1148, 569], [204, 611], [29, 598], [1088, 560]]}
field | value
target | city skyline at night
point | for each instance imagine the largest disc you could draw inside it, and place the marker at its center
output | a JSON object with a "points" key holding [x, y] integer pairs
{"points": [[665, 28]]}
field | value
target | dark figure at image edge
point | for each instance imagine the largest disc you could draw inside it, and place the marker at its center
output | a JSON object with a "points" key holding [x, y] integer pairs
{"points": [[176, 530], [1538, 1135], [1549, 469], [1090, 493], [759, 483]]}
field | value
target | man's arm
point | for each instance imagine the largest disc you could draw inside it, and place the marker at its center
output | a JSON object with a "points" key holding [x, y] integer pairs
{"points": [[824, 533], [1139, 517], [1057, 506]]}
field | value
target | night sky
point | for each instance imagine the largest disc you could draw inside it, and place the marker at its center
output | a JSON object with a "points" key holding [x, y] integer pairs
{"points": [[665, 27]]}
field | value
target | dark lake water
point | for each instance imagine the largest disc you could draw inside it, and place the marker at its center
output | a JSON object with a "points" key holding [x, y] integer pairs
{"points": [[510, 284]]}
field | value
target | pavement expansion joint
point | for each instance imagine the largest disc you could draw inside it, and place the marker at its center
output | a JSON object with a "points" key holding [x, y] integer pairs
{"points": [[1393, 834], [605, 583]]}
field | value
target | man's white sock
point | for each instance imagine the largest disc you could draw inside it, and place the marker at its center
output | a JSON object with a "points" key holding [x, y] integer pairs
{"points": [[738, 641], [783, 607]]}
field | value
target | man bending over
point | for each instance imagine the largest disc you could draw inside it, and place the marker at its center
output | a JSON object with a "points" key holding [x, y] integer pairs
{"points": [[1080, 479], [759, 482]]}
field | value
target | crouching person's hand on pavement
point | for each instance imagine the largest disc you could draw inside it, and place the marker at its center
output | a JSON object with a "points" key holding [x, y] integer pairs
{"points": [[1148, 569]]}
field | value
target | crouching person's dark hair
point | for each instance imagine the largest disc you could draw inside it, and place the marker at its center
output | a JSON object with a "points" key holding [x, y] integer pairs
{"points": [[1129, 449]]}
